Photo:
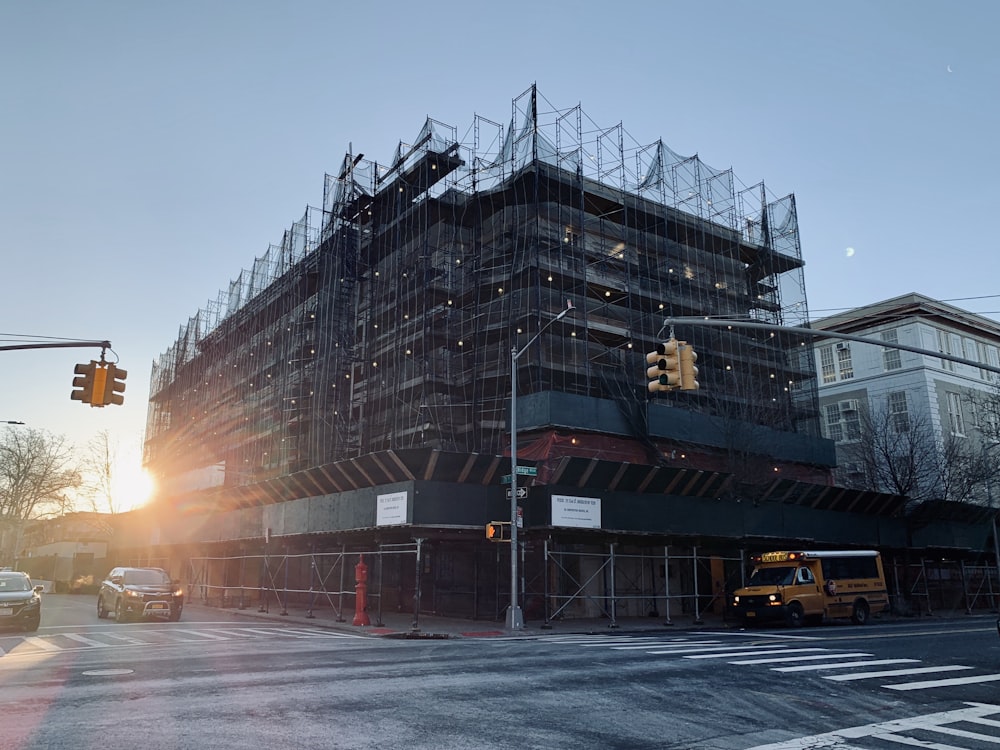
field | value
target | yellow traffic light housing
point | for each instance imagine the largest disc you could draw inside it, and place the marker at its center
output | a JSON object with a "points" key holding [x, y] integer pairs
{"points": [[83, 384], [114, 385], [664, 367], [688, 369]]}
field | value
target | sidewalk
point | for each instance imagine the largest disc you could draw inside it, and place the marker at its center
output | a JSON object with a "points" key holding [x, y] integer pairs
{"points": [[403, 625]]}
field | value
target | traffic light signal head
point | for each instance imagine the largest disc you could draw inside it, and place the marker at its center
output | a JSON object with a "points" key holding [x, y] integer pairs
{"points": [[688, 369], [498, 531], [114, 386], [83, 383], [664, 367]]}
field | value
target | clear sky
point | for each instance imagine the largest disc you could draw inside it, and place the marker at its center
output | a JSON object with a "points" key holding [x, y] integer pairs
{"points": [[151, 150]]}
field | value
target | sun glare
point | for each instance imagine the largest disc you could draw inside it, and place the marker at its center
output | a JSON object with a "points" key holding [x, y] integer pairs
{"points": [[133, 488]]}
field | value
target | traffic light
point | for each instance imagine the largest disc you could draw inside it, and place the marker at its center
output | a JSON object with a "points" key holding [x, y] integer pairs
{"points": [[498, 531], [689, 372], [664, 367], [83, 384], [114, 386]]}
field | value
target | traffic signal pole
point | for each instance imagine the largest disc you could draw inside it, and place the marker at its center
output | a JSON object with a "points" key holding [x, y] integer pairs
{"points": [[515, 616]]}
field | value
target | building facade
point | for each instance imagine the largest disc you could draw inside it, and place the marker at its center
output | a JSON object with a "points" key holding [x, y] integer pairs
{"points": [[351, 393], [942, 410]]}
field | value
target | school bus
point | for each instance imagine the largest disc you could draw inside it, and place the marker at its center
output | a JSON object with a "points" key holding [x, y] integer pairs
{"points": [[802, 586]]}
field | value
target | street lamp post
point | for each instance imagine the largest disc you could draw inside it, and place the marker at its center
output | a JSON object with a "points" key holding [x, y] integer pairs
{"points": [[515, 617]]}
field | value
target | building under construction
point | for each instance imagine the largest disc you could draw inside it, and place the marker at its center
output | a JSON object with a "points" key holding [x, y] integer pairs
{"points": [[352, 390]]}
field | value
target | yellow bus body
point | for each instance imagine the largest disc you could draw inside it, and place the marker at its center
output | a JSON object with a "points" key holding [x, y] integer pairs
{"points": [[810, 586]]}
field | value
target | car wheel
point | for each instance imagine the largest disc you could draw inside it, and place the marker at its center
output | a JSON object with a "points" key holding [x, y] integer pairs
{"points": [[860, 614], [175, 615], [119, 611], [32, 625], [102, 611], [796, 615]]}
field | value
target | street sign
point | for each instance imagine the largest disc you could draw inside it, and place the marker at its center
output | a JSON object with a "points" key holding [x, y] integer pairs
{"points": [[522, 492], [522, 471]]}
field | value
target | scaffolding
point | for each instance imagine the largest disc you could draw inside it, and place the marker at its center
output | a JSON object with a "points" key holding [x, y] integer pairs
{"points": [[385, 318]]}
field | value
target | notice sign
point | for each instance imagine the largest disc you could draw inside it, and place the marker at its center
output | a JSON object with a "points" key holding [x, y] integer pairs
{"points": [[390, 509], [581, 512]]}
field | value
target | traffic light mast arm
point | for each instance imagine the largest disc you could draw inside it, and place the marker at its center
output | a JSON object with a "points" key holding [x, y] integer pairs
{"points": [[59, 345], [815, 333]]}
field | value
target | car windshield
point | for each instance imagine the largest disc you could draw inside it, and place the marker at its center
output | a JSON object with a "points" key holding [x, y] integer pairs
{"points": [[146, 577], [14, 583], [781, 576]]}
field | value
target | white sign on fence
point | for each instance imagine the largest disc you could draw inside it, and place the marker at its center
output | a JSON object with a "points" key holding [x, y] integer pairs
{"points": [[390, 509], [580, 512]]}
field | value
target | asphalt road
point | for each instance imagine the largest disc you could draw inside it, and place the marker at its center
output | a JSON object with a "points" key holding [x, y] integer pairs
{"points": [[217, 681]]}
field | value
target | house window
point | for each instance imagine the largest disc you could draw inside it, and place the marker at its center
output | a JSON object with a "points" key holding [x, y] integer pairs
{"points": [[899, 417], [955, 414], [842, 421], [944, 346], [827, 367], [834, 429], [844, 361], [890, 356]]}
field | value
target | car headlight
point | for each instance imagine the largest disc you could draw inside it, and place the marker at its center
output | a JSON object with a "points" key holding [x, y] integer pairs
{"points": [[774, 598], [136, 594], [736, 600], [33, 602]]}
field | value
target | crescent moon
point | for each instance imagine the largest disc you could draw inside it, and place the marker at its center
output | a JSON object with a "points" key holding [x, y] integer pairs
{"points": [[949, 68]]}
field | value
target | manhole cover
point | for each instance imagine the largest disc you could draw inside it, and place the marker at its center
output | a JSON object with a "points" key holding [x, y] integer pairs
{"points": [[107, 672]]}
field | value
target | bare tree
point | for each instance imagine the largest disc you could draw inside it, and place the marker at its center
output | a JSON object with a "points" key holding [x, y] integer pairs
{"points": [[100, 460], [37, 475], [895, 452]]}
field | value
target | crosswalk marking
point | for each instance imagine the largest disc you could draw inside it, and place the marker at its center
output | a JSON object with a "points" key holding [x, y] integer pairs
{"points": [[893, 673], [26, 645], [41, 643], [970, 680], [782, 659], [83, 639], [658, 645], [895, 731], [845, 664], [756, 653]]}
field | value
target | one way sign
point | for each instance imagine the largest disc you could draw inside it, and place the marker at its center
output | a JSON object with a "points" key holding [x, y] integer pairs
{"points": [[522, 492]]}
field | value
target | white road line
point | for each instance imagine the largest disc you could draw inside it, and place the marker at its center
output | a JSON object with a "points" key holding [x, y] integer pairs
{"points": [[944, 683], [756, 653], [617, 642], [964, 734], [889, 731], [779, 660], [125, 639], [728, 650], [202, 634], [84, 639], [845, 665], [663, 645], [893, 673], [42, 643]]}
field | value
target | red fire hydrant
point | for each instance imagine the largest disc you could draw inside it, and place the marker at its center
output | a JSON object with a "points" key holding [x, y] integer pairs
{"points": [[361, 593]]}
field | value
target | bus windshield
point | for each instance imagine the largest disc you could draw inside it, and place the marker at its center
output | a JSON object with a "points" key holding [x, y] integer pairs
{"points": [[772, 576]]}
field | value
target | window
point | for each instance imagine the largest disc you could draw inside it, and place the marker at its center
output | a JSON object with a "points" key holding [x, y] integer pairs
{"points": [[944, 346], [899, 417], [842, 422], [955, 414], [827, 367], [834, 429], [890, 356], [844, 361]]}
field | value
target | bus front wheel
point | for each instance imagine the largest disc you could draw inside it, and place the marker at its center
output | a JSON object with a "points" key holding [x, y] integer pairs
{"points": [[859, 616]]}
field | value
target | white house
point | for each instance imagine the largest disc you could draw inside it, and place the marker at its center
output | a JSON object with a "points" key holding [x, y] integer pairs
{"points": [[952, 399]]}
